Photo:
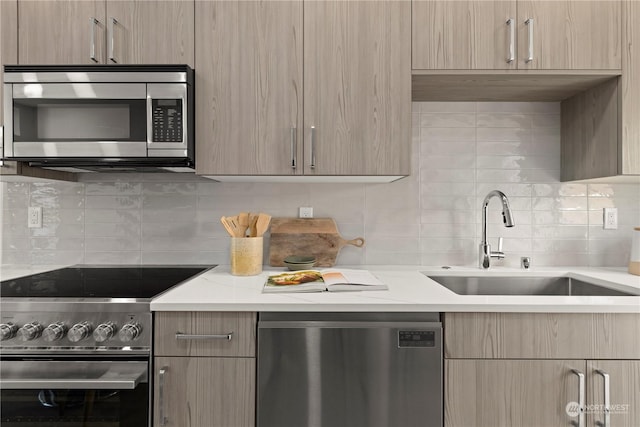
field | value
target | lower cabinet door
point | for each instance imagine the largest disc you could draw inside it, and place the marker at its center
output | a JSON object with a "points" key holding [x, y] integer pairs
{"points": [[511, 393], [623, 377], [204, 392]]}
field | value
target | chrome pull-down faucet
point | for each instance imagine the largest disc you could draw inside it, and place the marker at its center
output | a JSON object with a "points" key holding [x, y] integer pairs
{"points": [[485, 249]]}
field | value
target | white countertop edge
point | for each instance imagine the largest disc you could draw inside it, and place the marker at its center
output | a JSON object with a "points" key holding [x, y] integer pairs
{"points": [[410, 290]]}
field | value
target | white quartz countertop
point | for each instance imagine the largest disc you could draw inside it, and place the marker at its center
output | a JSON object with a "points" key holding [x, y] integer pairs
{"points": [[409, 290]]}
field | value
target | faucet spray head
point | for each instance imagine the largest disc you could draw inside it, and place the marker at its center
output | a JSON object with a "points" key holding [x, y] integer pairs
{"points": [[506, 217]]}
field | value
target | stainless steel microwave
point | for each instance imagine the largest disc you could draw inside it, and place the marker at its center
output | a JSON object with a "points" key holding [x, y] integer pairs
{"points": [[100, 117]]}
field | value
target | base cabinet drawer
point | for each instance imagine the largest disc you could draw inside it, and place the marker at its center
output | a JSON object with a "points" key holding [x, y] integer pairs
{"points": [[204, 392], [228, 334]]}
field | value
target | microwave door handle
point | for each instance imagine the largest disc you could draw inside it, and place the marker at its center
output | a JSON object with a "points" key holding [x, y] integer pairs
{"points": [[149, 122]]}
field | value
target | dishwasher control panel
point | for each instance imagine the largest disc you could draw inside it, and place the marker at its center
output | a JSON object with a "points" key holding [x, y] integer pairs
{"points": [[416, 339]]}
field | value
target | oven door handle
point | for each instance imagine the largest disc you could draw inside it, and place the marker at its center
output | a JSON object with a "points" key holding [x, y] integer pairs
{"points": [[102, 375]]}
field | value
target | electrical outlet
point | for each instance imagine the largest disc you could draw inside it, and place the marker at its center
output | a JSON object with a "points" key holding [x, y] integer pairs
{"points": [[34, 217], [610, 218], [306, 212]]}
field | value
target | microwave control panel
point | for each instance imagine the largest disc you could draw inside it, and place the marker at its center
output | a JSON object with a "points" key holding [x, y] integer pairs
{"points": [[167, 120]]}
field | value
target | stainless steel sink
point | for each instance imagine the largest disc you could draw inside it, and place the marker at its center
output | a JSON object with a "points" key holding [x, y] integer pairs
{"points": [[466, 285]]}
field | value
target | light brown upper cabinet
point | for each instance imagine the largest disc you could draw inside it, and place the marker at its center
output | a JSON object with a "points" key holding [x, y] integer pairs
{"points": [[464, 35], [518, 34], [569, 35], [357, 87], [249, 87], [105, 32], [356, 92], [600, 127]]}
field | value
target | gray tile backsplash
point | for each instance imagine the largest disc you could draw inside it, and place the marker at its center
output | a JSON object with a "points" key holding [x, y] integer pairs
{"points": [[461, 151]]}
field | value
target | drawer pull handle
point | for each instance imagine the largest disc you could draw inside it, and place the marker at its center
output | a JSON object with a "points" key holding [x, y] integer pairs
{"points": [[581, 396], [607, 403], [181, 336], [529, 23], [163, 414], [512, 40], [93, 22]]}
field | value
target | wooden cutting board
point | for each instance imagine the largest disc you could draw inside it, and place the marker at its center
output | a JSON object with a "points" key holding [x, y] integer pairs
{"points": [[317, 237]]}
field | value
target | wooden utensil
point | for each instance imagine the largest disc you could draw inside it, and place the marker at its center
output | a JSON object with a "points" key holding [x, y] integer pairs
{"points": [[232, 221], [243, 223], [262, 224], [228, 227], [317, 237], [253, 221]]}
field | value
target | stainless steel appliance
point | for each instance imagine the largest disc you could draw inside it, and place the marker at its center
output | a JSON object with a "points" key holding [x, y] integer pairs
{"points": [[75, 345], [350, 370], [100, 117]]}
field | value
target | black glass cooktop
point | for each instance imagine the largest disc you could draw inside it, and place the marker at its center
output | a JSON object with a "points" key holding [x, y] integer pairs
{"points": [[100, 282]]}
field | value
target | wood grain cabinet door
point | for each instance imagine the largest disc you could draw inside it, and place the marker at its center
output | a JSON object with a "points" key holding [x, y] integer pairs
{"points": [[150, 32], [61, 31], [248, 87], [624, 392], [357, 87], [466, 35], [569, 35], [515, 393], [204, 392]]}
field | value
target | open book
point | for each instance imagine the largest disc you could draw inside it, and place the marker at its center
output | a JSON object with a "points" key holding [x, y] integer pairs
{"points": [[321, 281]]}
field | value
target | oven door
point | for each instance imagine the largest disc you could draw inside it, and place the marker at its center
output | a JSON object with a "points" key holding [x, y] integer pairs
{"points": [[65, 393], [75, 120]]}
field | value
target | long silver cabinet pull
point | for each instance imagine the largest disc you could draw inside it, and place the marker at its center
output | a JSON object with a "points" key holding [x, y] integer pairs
{"points": [[162, 414], [512, 41], [581, 397], [93, 23], [181, 336], [529, 23], [1, 145], [112, 24], [294, 148], [313, 147], [607, 400]]}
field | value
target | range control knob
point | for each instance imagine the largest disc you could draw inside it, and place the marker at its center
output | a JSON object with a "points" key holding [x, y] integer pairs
{"points": [[8, 330], [130, 332], [104, 331], [80, 331], [54, 331], [30, 331]]}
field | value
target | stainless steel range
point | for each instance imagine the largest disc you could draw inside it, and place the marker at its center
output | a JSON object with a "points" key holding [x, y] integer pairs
{"points": [[75, 346]]}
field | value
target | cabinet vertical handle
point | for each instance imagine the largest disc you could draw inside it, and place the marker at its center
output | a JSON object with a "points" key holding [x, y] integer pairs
{"points": [[581, 396], [607, 400], [112, 24], [93, 22], [512, 40], [529, 23], [294, 148], [1, 146], [313, 147], [162, 414]]}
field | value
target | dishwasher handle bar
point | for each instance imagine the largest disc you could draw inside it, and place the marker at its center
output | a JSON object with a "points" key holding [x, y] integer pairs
{"points": [[275, 324]]}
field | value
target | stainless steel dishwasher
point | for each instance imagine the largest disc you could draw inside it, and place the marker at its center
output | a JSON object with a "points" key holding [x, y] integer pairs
{"points": [[349, 370]]}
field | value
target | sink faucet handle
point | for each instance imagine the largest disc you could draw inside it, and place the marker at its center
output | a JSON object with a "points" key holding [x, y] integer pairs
{"points": [[500, 241]]}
